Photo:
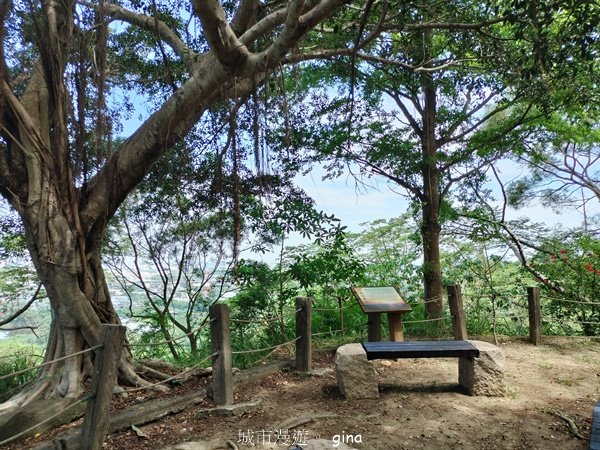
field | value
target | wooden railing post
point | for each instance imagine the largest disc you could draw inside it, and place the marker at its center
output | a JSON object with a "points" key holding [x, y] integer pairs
{"points": [[303, 334], [220, 338], [535, 315], [459, 325], [96, 421], [374, 327]]}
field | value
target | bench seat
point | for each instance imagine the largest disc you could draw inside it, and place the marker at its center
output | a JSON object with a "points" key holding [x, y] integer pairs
{"points": [[420, 349], [595, 435]]}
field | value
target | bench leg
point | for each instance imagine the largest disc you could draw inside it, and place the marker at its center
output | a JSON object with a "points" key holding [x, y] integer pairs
{"points": [[356, 376]]}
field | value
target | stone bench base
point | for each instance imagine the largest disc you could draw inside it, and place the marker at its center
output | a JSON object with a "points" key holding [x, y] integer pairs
{"points": [[356, 376], [483, 375]]}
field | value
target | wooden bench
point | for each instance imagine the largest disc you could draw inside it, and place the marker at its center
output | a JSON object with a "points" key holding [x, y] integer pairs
{"points": [[595, 435], [480, 364], [420, 349]]}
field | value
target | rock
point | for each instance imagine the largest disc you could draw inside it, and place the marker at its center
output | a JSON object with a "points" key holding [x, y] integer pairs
{"points": [[219, 444], [236, 409], [215, 444], [321, 372], [483, 375], [356, 376]]}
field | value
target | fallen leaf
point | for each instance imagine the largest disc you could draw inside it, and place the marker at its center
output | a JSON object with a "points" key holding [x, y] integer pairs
{"points": [[139, 432]]}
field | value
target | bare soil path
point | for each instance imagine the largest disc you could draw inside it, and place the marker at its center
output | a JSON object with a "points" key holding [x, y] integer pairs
{"points": [[421, 407]]}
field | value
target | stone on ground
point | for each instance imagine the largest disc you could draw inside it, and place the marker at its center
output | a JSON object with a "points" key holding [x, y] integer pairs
{"points": [[356, 376], [483, 375], [219, 444], [236, 409], [22, 418]]}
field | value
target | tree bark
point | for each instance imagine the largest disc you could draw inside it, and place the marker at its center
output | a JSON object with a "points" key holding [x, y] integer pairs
{"points": [[430, 227]]}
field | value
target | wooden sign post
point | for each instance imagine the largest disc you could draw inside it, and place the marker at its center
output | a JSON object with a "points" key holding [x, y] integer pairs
{"points": [[377, 300]]}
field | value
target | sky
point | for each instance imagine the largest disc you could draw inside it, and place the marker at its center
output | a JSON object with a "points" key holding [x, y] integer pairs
{"points": [[355, 206]]}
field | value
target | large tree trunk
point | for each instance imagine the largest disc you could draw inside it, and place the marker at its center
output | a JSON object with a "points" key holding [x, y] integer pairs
{"points": [[80, 301]]}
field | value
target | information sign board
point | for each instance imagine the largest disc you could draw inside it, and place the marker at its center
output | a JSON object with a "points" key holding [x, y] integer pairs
{"points": [[380, 299]]}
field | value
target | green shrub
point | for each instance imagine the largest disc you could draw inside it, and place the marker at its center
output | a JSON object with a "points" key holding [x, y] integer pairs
{"points": [[21, 359]]}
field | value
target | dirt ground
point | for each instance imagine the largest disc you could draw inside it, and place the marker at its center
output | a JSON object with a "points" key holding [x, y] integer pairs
{"points": [[421, 407]]}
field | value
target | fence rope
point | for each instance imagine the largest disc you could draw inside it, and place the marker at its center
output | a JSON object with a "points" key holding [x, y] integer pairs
{"points": [[425, 320], [425, 302], [565, 320], [47, 419], [47, 363], [242, 352], [156, 344], [336, 309], [258, 321], [511, 317], [574, 321], [166, 380], [556, 299], [326, 332], [494, 295], [20, 387], [499, 317]]}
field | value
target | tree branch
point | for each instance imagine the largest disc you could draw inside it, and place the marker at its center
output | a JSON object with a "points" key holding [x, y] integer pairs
{"points": [[211, 81], [165, 33], [33, 298], [227, 48], [416, 192]]}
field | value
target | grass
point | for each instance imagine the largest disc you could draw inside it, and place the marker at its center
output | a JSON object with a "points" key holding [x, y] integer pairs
{"points": [[565, 381], [15, 359]]}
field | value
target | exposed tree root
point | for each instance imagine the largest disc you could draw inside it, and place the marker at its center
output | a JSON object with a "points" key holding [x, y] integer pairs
{"points": [[573, 428]]}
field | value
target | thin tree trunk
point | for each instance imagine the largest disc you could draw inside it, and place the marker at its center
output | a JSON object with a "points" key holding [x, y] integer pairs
{"points": [[430, 228]]}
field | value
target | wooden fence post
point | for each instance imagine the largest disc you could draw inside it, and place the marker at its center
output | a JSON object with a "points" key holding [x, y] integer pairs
{"points": [[220, 339], [341, 314], [395, 326], [535, 315], [97, 412], [459, 325], [303, 334]]}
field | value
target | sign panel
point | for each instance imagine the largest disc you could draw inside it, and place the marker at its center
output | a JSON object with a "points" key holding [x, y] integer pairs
{"points": [[380, 299]]}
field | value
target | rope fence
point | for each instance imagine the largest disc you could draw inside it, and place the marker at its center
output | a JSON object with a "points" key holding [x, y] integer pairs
{"points": [[48, 363], [167, 380], [438, 319], [323, 333], [167, 341], [424, 302], [258, 321], [258, 350], [351, 305], [561, 300], [548, 318], [220, 337]]}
